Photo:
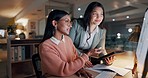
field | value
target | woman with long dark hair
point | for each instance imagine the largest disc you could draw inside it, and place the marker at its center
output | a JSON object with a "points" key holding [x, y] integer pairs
{"points": [[88, 33], [57, 52]]}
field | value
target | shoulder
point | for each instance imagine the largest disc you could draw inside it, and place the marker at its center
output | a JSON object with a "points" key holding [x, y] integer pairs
{"points": [[78, 21], [46, 43], [102, 29], [77, 24], [67, 38]]}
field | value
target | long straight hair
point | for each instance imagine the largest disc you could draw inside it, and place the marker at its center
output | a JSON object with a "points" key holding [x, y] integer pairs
{"points": [[87, 14], [50, 29]]}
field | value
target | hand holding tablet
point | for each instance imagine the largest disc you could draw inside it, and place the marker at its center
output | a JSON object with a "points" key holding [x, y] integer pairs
{"points": [[110, 54]]}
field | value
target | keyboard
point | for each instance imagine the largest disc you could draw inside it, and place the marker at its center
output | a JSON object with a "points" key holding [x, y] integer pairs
{"points": [[106, 74]]}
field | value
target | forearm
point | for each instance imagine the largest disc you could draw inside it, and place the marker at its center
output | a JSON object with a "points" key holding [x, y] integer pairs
{"points": [[62, 68]]}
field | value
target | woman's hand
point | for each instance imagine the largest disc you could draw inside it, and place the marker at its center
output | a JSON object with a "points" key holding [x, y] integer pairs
{"points": [[88, 64], [109, 60], [83, 72], [94, 52], [134, 70]]}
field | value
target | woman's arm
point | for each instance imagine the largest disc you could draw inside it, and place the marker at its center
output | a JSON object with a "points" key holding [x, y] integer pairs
{"points": [[102, 42], [54, 65], [73, 34]]}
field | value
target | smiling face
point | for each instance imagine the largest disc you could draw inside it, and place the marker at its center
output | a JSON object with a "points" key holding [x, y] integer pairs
{"points": [[64, 25], [96, 16]]}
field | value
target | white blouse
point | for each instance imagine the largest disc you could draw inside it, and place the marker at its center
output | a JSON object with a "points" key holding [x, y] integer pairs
{"points": [[88, 38]]}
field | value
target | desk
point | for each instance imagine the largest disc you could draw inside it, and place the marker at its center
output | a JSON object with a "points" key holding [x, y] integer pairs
{"points": [[124, 60]]}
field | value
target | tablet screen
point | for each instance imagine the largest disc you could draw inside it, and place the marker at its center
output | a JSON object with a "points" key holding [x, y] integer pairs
{"points": [[110, 54]]}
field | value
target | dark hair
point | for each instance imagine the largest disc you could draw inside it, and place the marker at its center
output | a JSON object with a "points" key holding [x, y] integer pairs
{"points": [[87, 15], [50, 29]]}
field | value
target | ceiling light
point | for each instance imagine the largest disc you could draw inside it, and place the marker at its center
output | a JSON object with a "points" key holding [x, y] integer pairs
{"points": [[46, 16], [113, 19], [127, 16], [116, 4], [81, 16], [130, 30], [127, 2], [118, 35], [79, 9], [144, 19]]}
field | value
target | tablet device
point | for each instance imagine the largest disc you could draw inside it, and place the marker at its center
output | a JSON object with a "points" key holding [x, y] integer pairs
{"points": [[110, 54]]}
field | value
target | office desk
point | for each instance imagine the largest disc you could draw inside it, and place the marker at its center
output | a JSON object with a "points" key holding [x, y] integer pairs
{"points": [[124, 60]]}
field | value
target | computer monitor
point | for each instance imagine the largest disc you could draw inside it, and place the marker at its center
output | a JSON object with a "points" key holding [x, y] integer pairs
{"points": [[142, 48]]}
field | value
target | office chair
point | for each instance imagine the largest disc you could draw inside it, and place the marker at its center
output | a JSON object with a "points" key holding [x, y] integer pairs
{"points": [[37, 65]]}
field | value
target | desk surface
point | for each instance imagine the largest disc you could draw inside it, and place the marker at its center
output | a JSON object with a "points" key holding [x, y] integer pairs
{"points": [[124, 60]]}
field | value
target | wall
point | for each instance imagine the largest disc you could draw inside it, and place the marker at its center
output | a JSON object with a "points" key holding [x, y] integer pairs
{"points": [[41, 27]]}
